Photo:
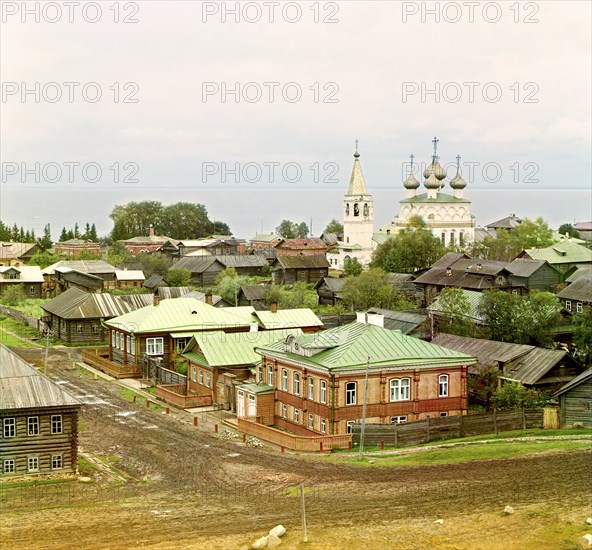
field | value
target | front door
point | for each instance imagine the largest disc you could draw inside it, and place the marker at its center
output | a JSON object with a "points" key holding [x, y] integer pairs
{"points": [[240, 404], [252, 406]]}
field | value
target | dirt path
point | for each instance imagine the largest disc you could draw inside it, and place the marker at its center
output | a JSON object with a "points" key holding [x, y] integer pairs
{"points": [[189, 489]]}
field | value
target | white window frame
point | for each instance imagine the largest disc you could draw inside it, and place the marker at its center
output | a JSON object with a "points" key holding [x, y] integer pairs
{"points": [[568, 305], [284, 410], [33, 425], [323, 391], [32, 464], [133, 346], [296, 383], [349, 426], [57, 462], [579, 307], [32, 290], [443, 385], [95, 328], [9, 466], [79, 328], [296, 416], [399, 419], [269, 375], [284, 380], [201, 377], [311, 388], [351, 397], [9, 427], [155, 346], [128, 342], [194, 374], [208, 379], [400, 389], [57, 424], [443, 414], [311, 421], [323, 426]]}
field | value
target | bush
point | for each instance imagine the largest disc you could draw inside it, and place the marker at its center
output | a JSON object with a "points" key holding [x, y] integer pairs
{"points": [[14, 295]]}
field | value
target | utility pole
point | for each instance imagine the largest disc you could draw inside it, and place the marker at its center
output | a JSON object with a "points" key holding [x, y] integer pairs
{"points": [[303, 510], [46, 350], [364, 409]]}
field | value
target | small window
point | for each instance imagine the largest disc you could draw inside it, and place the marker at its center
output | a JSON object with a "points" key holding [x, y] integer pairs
{"points": [[350, 393], [579, 307], [154, 346], [350, 426], [311, 388], [443, 414], [514, 292], [400, 389], [284, 380], [9, 427], [323, 391], [297, 416], [33, 464], [9, 466], [285, 411], [127, 342], [79, 328], [33, 425], [201, 380], [260, 374], [568, 305], [56, 424], [208, 379], [133, 346], [269, 375], [194, 374], [32, 291], [323, 425], [311, 421], [95, 328], [443, 385], [57, 462], [296, 383], [398, 419]]}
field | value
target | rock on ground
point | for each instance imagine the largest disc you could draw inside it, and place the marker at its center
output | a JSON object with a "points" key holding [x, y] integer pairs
{"points": [[278, 531], [508, 510], [273, 541], [260, 543]]}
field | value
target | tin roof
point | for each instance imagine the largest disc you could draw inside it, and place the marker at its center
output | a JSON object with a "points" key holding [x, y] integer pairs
{"points": [[353, 346], [129, 275], [256, 388], [27, 274], [287, 318], [302, 262], [580, 290], [22, 387], [15, 250], [582, 377], [86, 266], [77, 304], [562, 253], [473, 298], [303, 244]]}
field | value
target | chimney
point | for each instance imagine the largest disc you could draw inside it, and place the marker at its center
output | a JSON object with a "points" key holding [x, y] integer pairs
{"points": [[209, 298], [448, 272], [273, 307], [479, 266], [361, 317], [155, 299], [375, 319], [151, 230]]}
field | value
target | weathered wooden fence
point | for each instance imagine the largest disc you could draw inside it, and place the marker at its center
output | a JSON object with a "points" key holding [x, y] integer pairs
{"points": [[433, 429], [33, 322]]}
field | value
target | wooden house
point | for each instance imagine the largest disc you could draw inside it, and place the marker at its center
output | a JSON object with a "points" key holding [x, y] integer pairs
{"points": [[329, 290], [87, 275], [75, 247], [505, 224], [254, 296], [211, 246], [584, 229], [576, 297], [534, 274], [17, 254], [218, 362], [319, 379], [256, 402], [77, 316], [566, 255], [288, 269], [437, 314], [205, 269], [540, 368], [575, 401], [411, 323], [29, 276], [39, 421], [311, 246], [129, 278]]}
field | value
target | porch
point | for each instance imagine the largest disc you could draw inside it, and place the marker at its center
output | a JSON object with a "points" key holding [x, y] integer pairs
{"points": [[99, 359]]}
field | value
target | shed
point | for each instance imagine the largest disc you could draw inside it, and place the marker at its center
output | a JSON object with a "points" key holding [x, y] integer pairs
{"points": [[292, 269], [256, 402], [575, 401]]}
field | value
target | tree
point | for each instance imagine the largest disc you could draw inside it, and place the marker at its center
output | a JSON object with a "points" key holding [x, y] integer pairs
{"points": [[352, 267], [334, 226], [482, 386], [569, 230], [298, 295], [455, 309], [409, 250], [43, 259], [292, 230], [532, 234], [228, 283], [64, 235], [14, 295], [45, 242], [582, 336], [372, 288], [513, 395], [179, 276]]}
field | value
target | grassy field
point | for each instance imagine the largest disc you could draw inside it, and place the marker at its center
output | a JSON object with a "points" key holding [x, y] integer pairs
{"points": [[31, 307]]}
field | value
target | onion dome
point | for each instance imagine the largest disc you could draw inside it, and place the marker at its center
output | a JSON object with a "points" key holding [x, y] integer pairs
{"points": [[411, 181], [432, 182], [458, 182], [436, 169]]}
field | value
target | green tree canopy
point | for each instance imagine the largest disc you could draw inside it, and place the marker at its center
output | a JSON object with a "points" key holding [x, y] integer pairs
{"points": [[569, 230], [14, 295], [178, 276], [582, 336], [352, 267], [334, 226], [455, 308], [372, 288], [292, 230], [409, 250]]}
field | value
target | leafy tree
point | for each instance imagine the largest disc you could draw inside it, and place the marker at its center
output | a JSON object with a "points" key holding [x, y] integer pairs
{"points": [[14, 295], [298, 295], [582, 336], [372, 288], [45, 242], [513, 395], [533, 234], [455, 308], [409, 250], [64, 235], [43, 259], [569, 230], [334, 226], [228, 284], [118, 255], [352, 267], [179, 276], [292, 230], [482, 386]]}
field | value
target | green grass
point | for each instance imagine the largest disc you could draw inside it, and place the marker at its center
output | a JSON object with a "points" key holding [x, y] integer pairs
{"points": [[516, 433], [128, 395], [20, 329], [31, 307], [85, 467], [486, 451]]}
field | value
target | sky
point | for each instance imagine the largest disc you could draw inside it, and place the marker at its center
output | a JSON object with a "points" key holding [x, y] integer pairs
{"points": [[254, 112]]}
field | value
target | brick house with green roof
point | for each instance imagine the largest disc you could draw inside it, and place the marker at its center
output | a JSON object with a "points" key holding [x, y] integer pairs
{"points": [[319, 379]]}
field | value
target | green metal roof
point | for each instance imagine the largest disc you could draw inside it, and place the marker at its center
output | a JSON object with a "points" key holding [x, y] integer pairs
{"points": [[288, 318], [218, 349], [473, 297], [182, 314], [356, 343], [256, 388], [562, 253], [440, 198]]}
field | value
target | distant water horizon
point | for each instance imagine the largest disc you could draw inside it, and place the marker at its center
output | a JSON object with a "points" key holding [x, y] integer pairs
{"points": [[252, 211]]}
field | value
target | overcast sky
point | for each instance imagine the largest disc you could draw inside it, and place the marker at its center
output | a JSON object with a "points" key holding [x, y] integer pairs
{"points": [[360, 76]]}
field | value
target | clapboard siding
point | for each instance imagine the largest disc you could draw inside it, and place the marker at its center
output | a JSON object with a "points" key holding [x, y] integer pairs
{"points": [[576, 405], [79, 330], [45, 444]]}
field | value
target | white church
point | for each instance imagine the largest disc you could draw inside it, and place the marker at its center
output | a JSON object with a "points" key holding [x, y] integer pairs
{"points": [[447, 215]]}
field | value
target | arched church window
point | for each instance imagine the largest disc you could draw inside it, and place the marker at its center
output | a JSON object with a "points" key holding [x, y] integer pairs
{"points": [[452, 238], [347, 240], [356, 209], [347, 209], [443, 238], [366, 211], [461, 238]]}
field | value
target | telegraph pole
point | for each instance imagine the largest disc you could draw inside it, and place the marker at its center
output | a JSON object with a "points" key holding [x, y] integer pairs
{"points": [[364, 409]]}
